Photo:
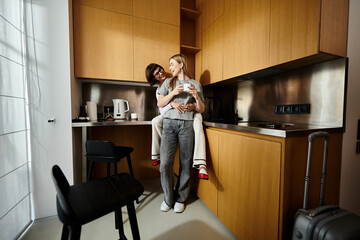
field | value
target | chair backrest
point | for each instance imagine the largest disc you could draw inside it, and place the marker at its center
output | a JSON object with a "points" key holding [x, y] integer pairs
{"points": [[100, 148], [62, 187]]}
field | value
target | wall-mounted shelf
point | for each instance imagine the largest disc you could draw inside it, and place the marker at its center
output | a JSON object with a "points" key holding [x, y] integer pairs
{"points": [[189, 49], [189, 13]]}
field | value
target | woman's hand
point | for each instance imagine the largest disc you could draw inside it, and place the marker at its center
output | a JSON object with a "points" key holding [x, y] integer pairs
{"points": [[193, 92], [179, 89], [178, 106]]}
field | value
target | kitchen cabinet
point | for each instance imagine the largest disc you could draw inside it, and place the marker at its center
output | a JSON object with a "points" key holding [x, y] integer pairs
{"points": [[116, 40], [207, 190], [163, 11], [246, 37], [307, 31], [212, 53], [257, 181], [153, 42], [103, 43]]}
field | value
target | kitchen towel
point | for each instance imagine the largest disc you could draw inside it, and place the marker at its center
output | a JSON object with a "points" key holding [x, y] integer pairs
{"points": [[92, 110]]}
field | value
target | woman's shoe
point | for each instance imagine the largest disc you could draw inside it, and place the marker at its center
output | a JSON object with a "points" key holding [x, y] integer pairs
{"points": [[155, 162], [203, 173], [164, 207], [179, 207]]}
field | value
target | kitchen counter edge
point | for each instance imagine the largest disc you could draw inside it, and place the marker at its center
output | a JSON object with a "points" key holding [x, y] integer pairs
{"points": [[275, 132], [104, 124]]}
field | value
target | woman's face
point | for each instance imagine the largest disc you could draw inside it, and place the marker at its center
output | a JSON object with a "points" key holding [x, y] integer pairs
{"points": [[175, 67], [159, 74]]}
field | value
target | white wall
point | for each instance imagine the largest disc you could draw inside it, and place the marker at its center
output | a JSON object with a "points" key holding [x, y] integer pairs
{"points": [[48, 51], [350, 172]]}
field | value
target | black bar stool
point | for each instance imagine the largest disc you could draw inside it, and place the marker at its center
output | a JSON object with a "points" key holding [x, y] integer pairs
{"points": [[105, 151], [82, 203]]}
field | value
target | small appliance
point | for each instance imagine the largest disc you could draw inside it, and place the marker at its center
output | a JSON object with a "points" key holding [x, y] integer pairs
{"points": [[121, 106]]}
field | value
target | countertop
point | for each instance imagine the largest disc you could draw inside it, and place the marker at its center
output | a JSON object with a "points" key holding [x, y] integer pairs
{"points": [[282, 130], [109, 123]]}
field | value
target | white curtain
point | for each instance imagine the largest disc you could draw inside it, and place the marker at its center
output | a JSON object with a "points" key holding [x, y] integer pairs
{"points": [[15, 207]]}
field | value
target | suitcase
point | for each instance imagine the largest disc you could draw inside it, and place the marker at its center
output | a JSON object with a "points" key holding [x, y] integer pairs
{"points": [[328, 222]]}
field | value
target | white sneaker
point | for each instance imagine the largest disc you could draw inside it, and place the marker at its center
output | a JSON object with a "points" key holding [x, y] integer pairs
{"points": [[179, 207], [164, 207]]}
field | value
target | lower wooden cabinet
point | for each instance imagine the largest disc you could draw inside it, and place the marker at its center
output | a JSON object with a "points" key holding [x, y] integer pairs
{"points": [[256, 182]]}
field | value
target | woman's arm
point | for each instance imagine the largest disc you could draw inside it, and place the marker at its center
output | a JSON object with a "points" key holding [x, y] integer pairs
{"points": [[199, 105], [163, 100]]}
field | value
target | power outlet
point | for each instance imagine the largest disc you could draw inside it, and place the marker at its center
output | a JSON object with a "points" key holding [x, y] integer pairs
{"points": [[292, 109]]}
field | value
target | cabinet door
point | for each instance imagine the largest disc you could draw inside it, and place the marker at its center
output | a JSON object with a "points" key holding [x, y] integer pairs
{"points": [[119, 6], [164, 11], [207, 190], [154, 42], [249, 176], [103, 44], [294, 30], [246, 36], [212, 53]]}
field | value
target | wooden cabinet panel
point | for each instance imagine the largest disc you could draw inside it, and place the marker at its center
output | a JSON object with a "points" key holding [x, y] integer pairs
{"points": [[207, 190], [333, 30], [164, 11], [120, 6], [246, 36], [153, 42], [294, 29], [212, 10], [249, 175], [212, 53], [103, 44]]}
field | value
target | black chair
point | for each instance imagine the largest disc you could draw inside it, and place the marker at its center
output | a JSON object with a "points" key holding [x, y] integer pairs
{"points": [[105, 151], [82, 203]]}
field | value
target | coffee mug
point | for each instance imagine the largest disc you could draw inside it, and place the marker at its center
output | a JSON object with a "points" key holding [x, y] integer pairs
{"points": [[134, 116], [186, 87]]}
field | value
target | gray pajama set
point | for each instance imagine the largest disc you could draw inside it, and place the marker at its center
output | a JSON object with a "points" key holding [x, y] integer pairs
{"points": [[177, 128]]}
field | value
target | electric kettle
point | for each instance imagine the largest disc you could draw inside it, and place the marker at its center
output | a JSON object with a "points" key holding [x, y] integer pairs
{"points": [[121, 106]]}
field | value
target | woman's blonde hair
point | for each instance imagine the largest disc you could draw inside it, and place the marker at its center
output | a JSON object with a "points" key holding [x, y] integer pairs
{"points": [[180, 58]]}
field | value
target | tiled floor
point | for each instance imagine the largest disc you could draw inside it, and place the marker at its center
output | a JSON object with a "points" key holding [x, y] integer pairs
{"points": [[197, 222]]}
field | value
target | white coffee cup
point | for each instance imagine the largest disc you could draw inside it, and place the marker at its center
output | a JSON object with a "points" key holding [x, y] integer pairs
{"points": [[134, 116], [186, 87]]}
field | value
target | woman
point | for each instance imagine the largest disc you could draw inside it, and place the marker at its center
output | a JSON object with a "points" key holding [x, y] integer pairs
{"points": [[178, 128], [155, 74]]}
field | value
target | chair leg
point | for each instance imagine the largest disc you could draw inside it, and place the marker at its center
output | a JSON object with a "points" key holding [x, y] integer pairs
{"points": [[119, 224], [114, 168], [130, 166], [75, 232], [133, 221], [65, 232], [131, 171], [91, 169], [108, 166]]}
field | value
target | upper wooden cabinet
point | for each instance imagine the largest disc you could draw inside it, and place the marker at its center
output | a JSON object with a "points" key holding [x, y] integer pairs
{"points": [[303, 28], [164, 11], [103, 44], [120, 6], [154, 42], [117, 39], [246, 36]]}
